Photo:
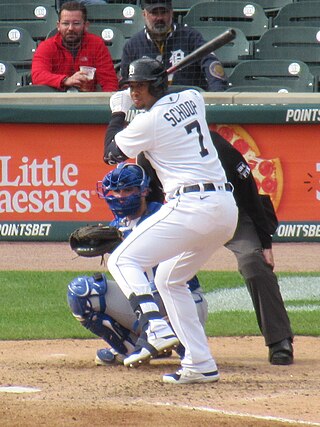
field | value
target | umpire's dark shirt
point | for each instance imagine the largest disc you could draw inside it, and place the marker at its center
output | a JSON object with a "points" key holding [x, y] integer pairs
{"points": [[245, 190]]}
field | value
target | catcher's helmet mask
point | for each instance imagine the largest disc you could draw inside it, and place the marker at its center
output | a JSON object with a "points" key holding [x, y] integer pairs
{"points": [[126, 175], [150, 70]]}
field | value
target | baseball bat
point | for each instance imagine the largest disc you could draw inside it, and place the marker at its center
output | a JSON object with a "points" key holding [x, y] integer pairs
{"points": [[203, 50]]}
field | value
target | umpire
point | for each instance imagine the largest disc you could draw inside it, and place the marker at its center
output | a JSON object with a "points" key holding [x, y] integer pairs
{"points": [[252, 246]]}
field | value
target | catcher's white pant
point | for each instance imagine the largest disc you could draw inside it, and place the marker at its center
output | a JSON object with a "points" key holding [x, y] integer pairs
{"points": [[180, 238]]}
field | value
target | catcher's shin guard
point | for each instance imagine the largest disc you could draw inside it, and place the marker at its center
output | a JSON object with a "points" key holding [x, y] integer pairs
{"points": [[116, 335]]}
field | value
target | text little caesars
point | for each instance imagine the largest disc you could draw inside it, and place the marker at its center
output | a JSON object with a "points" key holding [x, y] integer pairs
{"points": [[41, 186], [303, 115]]}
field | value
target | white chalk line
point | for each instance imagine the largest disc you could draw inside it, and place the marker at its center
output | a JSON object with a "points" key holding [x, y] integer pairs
{"points": [[297, 288], [19, 389], [241, 414]]}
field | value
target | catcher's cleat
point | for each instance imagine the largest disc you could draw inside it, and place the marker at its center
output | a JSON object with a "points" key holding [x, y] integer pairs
{"points": [[168, 353], [108, 356], [281, 353], [187, 376], [160, 342]]}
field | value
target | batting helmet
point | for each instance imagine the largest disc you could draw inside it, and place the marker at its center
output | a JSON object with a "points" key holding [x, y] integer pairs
{"points": [[149, 70], [126, 175]]}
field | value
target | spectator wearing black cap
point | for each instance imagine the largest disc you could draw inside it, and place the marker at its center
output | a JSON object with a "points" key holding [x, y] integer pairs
{"points": [[168, 42]]}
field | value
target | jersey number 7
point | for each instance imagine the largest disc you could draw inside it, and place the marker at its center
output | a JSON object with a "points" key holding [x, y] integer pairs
{"points": [[196, 125]]}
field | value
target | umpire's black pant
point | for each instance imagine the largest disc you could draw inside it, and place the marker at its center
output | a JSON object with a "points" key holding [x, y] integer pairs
{"points": [[261, 282]]}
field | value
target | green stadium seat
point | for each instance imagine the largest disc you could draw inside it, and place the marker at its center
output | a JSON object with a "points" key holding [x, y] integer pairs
{"points": [[270, 72], [36, 88], [16, 45], [38, 20], [270, 7], [113, 38], [33, 2], [305, 13], [250, 18], [127, 17], [301, 43], [181, 8], [233, 52], [256, 88], [9, 77]]}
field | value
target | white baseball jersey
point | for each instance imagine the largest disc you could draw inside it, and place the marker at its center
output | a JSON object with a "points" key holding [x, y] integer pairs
{"points": [[181, 236], [166, 134]]}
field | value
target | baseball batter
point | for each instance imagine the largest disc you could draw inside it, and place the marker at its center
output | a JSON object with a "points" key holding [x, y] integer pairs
{"points": [[200, 215]]}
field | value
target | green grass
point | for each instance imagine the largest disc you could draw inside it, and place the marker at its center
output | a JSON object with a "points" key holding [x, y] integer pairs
{"points": [[34, 306]]}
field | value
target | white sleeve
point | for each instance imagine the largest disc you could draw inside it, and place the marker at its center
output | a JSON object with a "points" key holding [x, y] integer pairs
{"points": [[138, 136]]}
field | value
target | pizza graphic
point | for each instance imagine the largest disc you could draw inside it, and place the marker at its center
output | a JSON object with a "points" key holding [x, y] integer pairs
{"points": [[267, 172]]}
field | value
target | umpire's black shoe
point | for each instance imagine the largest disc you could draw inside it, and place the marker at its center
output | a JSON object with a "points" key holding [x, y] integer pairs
{"points": [[281, 353]]}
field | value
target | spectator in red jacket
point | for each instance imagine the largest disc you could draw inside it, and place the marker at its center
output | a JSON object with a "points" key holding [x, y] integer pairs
{"points": [[57, 60]]}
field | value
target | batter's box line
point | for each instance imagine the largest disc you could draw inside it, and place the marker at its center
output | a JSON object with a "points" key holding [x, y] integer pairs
{"points": [[241, 414]]}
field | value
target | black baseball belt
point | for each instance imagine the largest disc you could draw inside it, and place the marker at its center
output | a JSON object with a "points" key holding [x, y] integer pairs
{"points": [[206, 187]]}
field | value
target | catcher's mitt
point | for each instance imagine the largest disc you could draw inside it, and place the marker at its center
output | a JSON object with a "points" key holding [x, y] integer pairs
{"points": [[95, 240]]}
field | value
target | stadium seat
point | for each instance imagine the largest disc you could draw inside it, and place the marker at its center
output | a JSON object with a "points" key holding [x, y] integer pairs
{"points": [[305, 13], [270, 72], [36, 88], [301, 43], [273, 4], [256, 88], [16, 46], [270, 7], [127, 17], [37, 20], [9, 77], [33, 2], [250, 18], [233, 52], [181, 8], [289, 43], [113, 38]]}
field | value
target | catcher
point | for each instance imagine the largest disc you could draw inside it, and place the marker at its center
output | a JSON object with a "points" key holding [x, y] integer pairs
{"points": [[97, 302]]}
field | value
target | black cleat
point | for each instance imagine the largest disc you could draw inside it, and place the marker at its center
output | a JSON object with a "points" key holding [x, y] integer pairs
{"points": [[281, 353]]}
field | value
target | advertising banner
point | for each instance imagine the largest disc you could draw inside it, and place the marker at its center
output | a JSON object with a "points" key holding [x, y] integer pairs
{"points": [[285, 161], [48, 176]]}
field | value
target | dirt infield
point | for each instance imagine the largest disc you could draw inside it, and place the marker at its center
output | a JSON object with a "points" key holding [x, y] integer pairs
{"points": [[67, 389], [58, 256]]}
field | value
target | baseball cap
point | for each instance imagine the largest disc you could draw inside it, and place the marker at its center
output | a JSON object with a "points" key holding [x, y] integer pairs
{"points": [[149, 5]]}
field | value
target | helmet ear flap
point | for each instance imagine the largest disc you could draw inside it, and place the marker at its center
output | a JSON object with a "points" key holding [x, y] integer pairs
{"points": [[159, 87]]}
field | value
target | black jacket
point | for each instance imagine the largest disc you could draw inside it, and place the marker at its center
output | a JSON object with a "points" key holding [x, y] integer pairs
{"points": [[207, 74]]}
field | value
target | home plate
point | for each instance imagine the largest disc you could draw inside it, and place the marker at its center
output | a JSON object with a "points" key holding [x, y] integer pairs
{"points": [[18, 389]]}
